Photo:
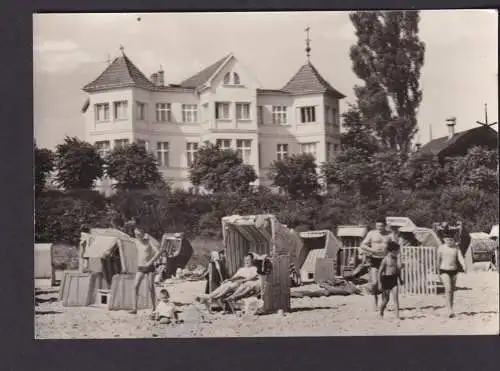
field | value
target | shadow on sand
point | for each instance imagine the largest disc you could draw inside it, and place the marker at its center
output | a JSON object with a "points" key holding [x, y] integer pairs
{"points": [[412, 317], [440, 289], [435, 307], [308, 309], [476, 313], [49, 300], [41, 313]]}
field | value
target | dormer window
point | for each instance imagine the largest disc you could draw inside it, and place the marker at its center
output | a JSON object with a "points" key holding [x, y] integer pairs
{"points": [[235, 79]]}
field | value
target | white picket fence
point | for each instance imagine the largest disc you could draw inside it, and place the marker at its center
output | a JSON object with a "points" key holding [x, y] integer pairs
{"points": [[420, 271]]}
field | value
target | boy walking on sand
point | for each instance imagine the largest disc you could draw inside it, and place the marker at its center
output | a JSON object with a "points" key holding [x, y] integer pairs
{"points": [[388, 276]]}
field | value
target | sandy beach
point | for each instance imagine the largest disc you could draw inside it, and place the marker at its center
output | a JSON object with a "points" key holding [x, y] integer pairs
{"points": [[477, 312]]}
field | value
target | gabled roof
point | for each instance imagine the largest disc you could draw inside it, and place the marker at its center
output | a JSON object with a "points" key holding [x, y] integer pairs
{"points": [[204, 76], [308, 80], [438, 145], [120, 73]]}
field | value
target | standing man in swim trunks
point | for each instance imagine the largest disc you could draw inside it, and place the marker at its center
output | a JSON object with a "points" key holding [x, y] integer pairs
{"points": [[374, 247], [449, 259], [147, 253]]}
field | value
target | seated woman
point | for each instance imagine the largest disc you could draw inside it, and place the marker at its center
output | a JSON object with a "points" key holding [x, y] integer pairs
{"points": [[245, 274]]}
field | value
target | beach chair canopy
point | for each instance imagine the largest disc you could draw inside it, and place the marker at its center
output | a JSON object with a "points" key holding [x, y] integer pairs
{"points": [[425, 236], [261, 234], [43, 260], [399, 221], [108, 232], [352, 231], [494, 231], [101, 246]]}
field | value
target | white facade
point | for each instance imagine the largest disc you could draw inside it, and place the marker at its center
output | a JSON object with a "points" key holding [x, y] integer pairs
{"points": [[173, 122]]}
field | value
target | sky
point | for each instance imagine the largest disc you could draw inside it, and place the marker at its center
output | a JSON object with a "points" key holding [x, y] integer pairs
{"points": [[460, 72]]}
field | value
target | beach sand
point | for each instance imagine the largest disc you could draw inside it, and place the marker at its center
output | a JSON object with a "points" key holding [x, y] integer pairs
{"points": [[476, 308]]}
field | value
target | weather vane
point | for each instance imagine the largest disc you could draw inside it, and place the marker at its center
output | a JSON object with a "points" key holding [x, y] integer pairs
{"points": [[122, 49], [485, 123], [308, 46]]}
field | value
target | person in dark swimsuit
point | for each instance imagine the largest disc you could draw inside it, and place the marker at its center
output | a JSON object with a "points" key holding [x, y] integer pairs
{"points": [[450, 262], [389, 275]]}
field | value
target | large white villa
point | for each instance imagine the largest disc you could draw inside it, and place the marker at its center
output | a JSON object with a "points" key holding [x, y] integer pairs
{"points": [[222, 104]]}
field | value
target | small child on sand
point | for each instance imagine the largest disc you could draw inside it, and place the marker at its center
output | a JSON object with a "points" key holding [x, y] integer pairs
{"points": [[388, 276], [166, 312]]}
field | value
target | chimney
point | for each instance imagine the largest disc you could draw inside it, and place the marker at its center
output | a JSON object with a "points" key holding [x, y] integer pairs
{"points": [[161, 78], [154, 78], [417, 146], [451, 126]]}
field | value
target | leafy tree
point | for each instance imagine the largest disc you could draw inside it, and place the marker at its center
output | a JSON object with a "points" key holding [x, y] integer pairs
{"points": [[351, 172], [358, 134], [221, 170], [388, 57], [132, 167], [78, 164], [59, 215], [43, 166], [386, 167], [477, 169], [296, 175], [422, 171]]}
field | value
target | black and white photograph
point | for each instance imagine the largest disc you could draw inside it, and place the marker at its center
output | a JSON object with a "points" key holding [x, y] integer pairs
{"points": [[265, 174]]}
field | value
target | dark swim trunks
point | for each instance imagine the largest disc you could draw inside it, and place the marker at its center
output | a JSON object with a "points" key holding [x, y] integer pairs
{"points": [[451, 273], [389, 282], [145, 270], [374, 262]]}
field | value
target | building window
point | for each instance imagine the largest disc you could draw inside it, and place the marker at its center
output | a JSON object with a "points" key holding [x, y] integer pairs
{"points": [[223, 143], [121, 109], [142, 143], [309, 148], [163, 112], [281, 151], [243, 111], [162, 154], [308, 114], [227, 77], [190, 113], [141, 111], [191, 149], [335, 118], [103, 147], [101, 112], [260, 115], [222, 111], [327, 116], [244, 148], [236, 79], [120, 143], [279, 115]]}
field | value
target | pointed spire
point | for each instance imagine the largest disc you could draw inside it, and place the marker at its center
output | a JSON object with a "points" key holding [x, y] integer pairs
{"points": [[122, 49], [308, 45]]}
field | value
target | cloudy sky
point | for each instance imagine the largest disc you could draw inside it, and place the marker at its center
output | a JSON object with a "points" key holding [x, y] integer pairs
{"points": [[460, 72]]}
